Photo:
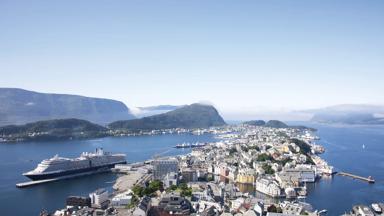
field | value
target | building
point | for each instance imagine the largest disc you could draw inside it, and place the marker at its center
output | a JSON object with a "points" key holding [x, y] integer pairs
{"points": [[246, 176], [78, 201], [143, 208], [295, 176], [122, 199], [173, 203], [170, 179], [268, 186], [189, 175], [259, 208], [99, 198], [162, 167]]}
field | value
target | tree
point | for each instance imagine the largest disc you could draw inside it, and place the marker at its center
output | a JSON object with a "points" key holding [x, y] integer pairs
{"points": [[138, 190], [264, 157], [268, 169], [172, 188], [155, 185]]}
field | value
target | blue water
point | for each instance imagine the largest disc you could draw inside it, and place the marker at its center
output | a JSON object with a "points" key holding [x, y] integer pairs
{"points": [[16, 158], [344, 150]]}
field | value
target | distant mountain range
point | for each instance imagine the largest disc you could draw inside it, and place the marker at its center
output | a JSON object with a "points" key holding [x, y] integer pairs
{"points": [[349, 114], [58, 116], [275, 124], [58, 129], [18, 106], [189, 116]]}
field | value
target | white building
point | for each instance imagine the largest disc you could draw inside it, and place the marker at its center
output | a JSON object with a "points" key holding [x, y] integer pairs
{"points": [[122, 199], [296, 175], [268, 186], [170, 179], [99, 197]]}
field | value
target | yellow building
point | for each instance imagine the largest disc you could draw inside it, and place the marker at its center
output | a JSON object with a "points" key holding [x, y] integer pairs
{"points": [[246, 178]]}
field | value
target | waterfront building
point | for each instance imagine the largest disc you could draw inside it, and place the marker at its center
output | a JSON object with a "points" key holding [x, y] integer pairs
{"points": [[295, 176], [162, 167], [268, 186], [78, 201], [99, 198], [290, 192]]}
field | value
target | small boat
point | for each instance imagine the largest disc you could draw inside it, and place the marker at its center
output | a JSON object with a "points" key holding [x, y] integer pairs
{"points": [[376, 208], [363, 146], [322, 212], [183, 145]]}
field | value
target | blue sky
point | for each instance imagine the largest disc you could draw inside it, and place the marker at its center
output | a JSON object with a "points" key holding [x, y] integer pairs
{"points": [[239, 55]]}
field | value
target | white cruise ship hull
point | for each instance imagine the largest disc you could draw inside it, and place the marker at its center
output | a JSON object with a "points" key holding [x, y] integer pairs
{"points": [[57, 174]]}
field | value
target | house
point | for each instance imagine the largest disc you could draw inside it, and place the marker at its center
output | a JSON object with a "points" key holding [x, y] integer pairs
{"points": [[143, 208], [173, 203], [170, 179]]}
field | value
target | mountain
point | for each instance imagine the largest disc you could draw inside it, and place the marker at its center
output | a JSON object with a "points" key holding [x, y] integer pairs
{"points": [[141, 112], [255, 122], [276, 124], [20, 106], [189, 116], [58, 129], [160, 107], [350, 114]]}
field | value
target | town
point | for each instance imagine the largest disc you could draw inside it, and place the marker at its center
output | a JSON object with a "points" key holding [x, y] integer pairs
{"points": [[251, 170]]}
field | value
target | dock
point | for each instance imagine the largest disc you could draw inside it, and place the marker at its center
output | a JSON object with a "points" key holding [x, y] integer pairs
{"points": [[34, 183], [368, 179]]}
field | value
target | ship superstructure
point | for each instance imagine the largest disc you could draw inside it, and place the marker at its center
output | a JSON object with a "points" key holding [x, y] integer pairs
{"points": [[87, 162]]}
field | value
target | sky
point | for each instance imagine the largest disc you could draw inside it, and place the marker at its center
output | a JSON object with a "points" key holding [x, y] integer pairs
{"points": [[241, 56]]}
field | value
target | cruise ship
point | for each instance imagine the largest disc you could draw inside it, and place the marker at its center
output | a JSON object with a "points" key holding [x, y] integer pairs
{"points": [[56, 166]]}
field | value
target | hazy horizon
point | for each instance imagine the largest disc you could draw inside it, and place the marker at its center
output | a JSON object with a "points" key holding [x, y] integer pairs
{"points": [[249, 57]]}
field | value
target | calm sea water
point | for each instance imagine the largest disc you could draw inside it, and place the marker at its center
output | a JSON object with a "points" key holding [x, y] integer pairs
{"points": [[16, 158], [344, 150]]}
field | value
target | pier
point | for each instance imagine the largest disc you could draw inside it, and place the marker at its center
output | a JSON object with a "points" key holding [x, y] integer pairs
{"points": [[369, 179], [33, 183]]}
